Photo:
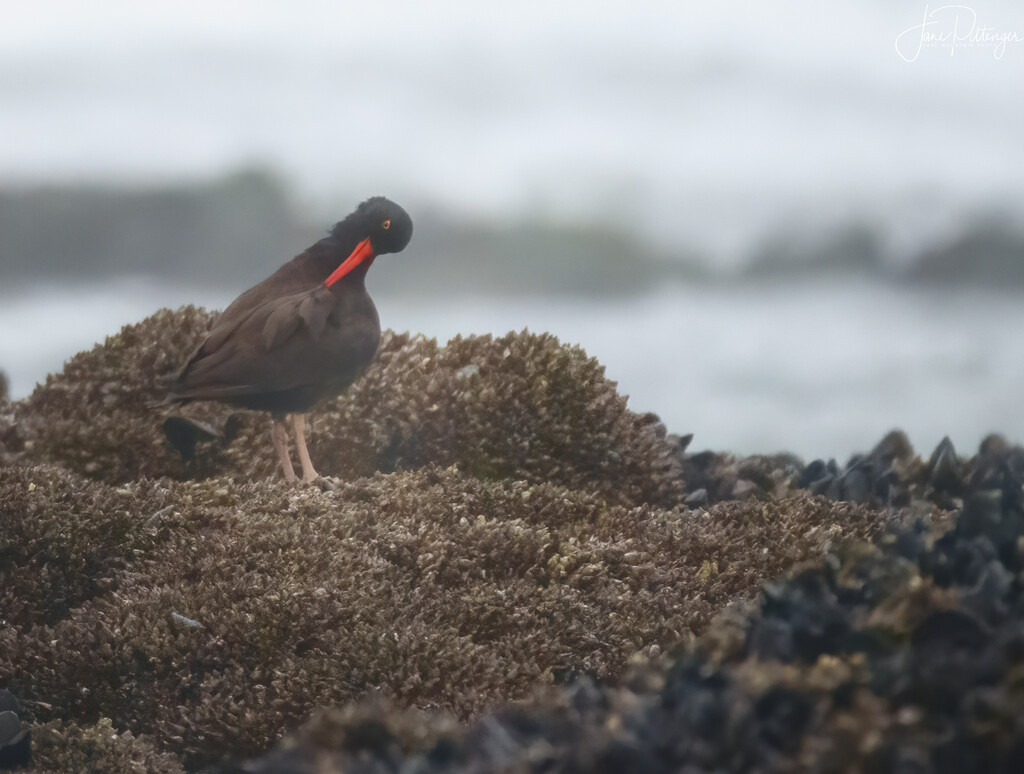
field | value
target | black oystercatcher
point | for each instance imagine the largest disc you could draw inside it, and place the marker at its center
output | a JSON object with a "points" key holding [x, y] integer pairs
{"points": [[305, 332]]}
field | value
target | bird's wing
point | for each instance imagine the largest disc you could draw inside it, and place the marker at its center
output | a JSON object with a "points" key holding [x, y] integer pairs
{"points": [[252, 357], [286, 316], [291, 276], [223, 327]]}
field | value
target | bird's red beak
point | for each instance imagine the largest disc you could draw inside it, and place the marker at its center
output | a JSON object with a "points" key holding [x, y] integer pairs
{"points": [[363, 251]]}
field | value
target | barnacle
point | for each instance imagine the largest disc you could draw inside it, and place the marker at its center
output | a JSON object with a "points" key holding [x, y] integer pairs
{"points": [[519, 406], [502, 527], [430, 587], [903, 655]]}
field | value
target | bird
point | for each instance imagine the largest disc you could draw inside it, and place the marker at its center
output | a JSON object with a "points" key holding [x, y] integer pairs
{"points": [[304, 333]]}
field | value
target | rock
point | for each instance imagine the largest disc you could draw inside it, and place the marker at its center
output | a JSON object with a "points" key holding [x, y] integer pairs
{"points": [[774, 474], [188, 623], [15, 738], [982, 512], [815, 472], [682, 441], [390, 584], [697, 497], [894, 447], [885, 476], [903, 657], [99, 746], [720, 475], [498, 528], [998, 465], [703, 470], [857, 485], [528, 408], [743, 489], [9, 702], [10, 727], [943, 468], [17, 750]]}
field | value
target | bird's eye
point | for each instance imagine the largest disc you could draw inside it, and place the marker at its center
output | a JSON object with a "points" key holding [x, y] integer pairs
{"points": [[386, 224]]}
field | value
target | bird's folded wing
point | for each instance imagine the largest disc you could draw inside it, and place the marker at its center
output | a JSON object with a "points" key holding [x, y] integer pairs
{"points": [[309, 309], [250, 355]]}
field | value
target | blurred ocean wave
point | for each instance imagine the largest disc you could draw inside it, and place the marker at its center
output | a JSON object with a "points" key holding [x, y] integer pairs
{"points": [[232, 231], [819, 368], [705, 129]]}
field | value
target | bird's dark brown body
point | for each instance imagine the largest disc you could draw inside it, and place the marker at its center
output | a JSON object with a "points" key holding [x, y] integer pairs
{"points": [[285, 343], [305, 332]]}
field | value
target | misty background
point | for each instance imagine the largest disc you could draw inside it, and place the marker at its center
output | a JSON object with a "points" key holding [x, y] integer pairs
{"points": [[774, 230]]}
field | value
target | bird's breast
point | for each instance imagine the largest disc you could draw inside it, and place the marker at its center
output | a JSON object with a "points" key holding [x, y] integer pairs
{"points": [[353, 333]]}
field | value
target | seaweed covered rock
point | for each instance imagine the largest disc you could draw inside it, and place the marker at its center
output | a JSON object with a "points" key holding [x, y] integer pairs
{"points": [[97, 748], [893, 474], [214, 616], [713, 477], [99, 415], [889, 474], [520, 406], [65, 539], [504, 527], [904, 656]]}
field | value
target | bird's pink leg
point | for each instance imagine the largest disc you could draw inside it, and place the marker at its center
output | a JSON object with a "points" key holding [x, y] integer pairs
{"points": [[279, 432], [299, 423]]}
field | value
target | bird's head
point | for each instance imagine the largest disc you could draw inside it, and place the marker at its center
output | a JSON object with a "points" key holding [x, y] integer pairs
{"points": [[388, 226], [377, 226]]}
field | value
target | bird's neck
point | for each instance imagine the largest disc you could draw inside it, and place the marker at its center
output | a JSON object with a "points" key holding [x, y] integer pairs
{"points": [[330, 252], [356, 277]]}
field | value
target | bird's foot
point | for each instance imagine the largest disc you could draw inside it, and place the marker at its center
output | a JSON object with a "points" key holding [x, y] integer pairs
{"points": [[320, 482]]}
